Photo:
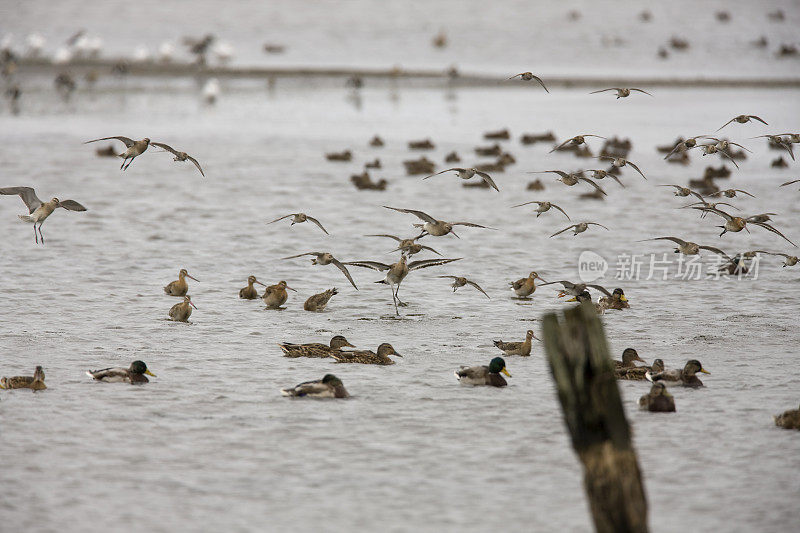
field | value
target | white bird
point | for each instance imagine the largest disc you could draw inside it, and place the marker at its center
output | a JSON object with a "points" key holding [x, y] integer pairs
{"points": [[224, 52], [35, 43], [62, 56], [166, 51], [211, 91], [141, 54]]}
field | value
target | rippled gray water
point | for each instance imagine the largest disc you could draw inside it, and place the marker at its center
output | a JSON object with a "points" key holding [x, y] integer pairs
{"points": [[210, 443]]}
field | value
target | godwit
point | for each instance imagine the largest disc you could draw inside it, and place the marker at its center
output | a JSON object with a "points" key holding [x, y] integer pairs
{"points": [[407, 246], [791, 260], [367, 357], [580, 227], [275, 295], [571, 178], [517, 348], [460, 281], [575, 141], [731, 193], [524, 287], [620, 162], [737, 224], [38, 210], [250, 292], [743, 119], [397, 272], [437, 228], [688, 247], [182, 311], [299, 218], [325, 258], [599, 174], [34, 382], [468, 173], [543, 207], [133, 374], [133, 148], [575, 289], [328, 387], [179, 287], [484, 375], [318, 302], [528, 76], [315, 349], [180, 156], [622, 92], [685, 191]]}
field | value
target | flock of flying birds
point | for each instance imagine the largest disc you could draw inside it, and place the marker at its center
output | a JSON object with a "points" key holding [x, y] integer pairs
{"points": [[275, 296]]}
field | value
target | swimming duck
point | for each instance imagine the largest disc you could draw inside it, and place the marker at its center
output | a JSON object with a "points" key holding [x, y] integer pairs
{"points": [[328, 387], [789, 419], [685, 377], [637, 373], [484, 375], [585, 296], [275, 295], [629, 355], [658, 400], [182, 311], [250, 292], [517, 348], [318, 302], [524, 287], [35, 382], [315, 349], [179, 287], [133, 374], [367, 357], [617, 300]]}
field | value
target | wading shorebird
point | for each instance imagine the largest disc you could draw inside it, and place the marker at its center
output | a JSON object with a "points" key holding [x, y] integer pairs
{"points": [[620, 162], [528, 76], [791, 260], [658, 400], [325, 258], [743, 119], [468, 173], [180, 156], [484, 375], [599, 174], [367, 357], [182, 311], [575, 141], [437, 228], [622, 92], [460, 281], [275, 295], [580, 227], [179, 287], [38, 210], [314, 349], [133, 148], [318, 302], [736, 224], [543, 207], [688, 247], [524, 287], [731, 193], [575, 289], [299, 218], [407, 246], [686, 377], [397, 272], [571, 179], [250, 292], [328, 387], [517, 348], [34, 382], [133, 374], [686, 144]]}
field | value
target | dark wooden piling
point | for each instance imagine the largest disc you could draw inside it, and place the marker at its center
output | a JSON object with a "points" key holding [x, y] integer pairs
{"points": [[584, 374]]}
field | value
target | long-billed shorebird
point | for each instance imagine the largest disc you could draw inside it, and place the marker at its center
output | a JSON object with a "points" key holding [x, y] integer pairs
{"points": [[743, 119], [318, 302], [407, 246], [622, 92], [437, 228], [684, 191], [620, 162], [688, 247], [737, 224], [517, 348], [182, 311], [250, 292], [469, 173], [299, 218], [132, 151], [38, 210], [580, 227], [574, 289], [180, 156], [686, 144], [730, 193], [524, 287], [460, 281], [396, 272], [599, 174], [570, 178], [179, 287], [543, 207], [780, 142], [326, 258], [528, 76], [275, 295], [575, 141], [791, 260]]}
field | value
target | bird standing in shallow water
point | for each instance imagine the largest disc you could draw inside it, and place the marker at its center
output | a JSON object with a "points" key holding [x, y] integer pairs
{"points": [[182, 311], [484, 375], [318, 302], [133, 374], [179, 287], [524, 287], [250, 292], [275, 295], [328, 387], [133, 149], [517, 348], [38, 210]]}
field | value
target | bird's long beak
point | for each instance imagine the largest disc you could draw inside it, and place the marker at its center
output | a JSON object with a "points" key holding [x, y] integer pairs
{"points": [[256, 281], [454, 234], [704, 371], [192, 304], [291, 289], [150, 373], [192, 277], [504, 371]]}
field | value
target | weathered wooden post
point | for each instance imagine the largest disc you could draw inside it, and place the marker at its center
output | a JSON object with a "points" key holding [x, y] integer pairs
{"points": [[584, 374]]}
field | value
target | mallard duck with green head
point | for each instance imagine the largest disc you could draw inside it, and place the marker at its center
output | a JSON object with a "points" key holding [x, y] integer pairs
{"points": [[485, 374], [638, 373], [328, 387], [133, 374], [315, 349], [586, 296], [686, 377], [367, 357], [658, 400], [34, 382], [617, 300]]}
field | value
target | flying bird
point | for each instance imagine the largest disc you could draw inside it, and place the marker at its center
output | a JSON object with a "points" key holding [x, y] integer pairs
{"points": [[689, 248], [460, 281], [528, 76], [325, 258], [743, 119], [577, 140], [580, 227], [437, 228], [571, 179], [736, 224], [575, 289], [38, 210], [133, 149], [407, 246], [622, 92], [620, 162], [468, 173], [299, 218], [543, 207], [180, 156], [730, 193]]}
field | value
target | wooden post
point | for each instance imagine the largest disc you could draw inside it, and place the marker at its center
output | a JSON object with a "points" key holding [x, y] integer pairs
{"points": [[584, 374]]}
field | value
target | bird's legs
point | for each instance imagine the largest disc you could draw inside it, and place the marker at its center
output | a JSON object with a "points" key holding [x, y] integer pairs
{"points": [[394, 300], [724, 230], [41, 235], [129, 163], [397, 296], [35, 235], [123, 163]]}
